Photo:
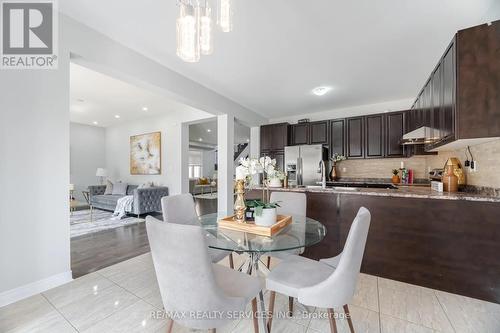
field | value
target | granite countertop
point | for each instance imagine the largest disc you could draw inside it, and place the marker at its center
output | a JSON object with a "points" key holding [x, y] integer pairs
{"points": [[403, 191]]}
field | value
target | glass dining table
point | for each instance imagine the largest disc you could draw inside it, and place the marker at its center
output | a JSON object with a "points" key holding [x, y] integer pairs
{"points": [[301, 233]]}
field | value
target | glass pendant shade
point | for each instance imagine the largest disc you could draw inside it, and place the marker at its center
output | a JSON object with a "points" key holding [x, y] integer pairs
{"points": [[188, 45], [206, 32], [225, 15]]}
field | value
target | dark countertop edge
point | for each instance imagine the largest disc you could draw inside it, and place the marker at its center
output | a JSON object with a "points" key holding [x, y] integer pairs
{"points": [[394, 193]]}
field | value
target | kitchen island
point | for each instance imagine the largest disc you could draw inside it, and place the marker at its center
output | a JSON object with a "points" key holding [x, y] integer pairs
{"points": [[446, 241]]}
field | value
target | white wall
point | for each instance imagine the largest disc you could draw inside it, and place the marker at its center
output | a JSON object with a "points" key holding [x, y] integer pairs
{"points": [[34, 177], [87, 153], [171, 127], [353, 111]]}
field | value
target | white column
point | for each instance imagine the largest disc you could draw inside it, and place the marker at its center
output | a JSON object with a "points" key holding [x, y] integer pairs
{"points": [[225, 156], [254, 142], [184, 159], [255, 149]]}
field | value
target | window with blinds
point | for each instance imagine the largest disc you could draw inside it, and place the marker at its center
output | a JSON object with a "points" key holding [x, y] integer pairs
{"points": [[195, 163]]}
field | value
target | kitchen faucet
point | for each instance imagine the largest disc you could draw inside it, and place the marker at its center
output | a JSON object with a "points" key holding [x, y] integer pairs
{"points": [[323, 173]]}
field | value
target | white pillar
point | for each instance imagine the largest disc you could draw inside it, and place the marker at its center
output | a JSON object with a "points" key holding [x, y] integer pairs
{"points": [[184, 159], [225, 163], [254, 142], [255, 149]]}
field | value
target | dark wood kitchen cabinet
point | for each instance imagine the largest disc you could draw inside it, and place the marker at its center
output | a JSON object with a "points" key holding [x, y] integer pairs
{"points": [[460, 100], [300, 134], [318, 132], [310, 133], [374, 136], [274, 137], [394, 130], [337, 137], [355, 137]]}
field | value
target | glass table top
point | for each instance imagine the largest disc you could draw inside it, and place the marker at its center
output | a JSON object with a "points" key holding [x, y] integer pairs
{"points": [[302, 232]]}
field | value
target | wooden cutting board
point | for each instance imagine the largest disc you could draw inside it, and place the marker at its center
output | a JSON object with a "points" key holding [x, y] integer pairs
{"points": [[281, 222]]}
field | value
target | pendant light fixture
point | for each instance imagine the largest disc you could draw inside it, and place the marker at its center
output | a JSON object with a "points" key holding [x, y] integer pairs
{"points": [[225, 15], [195, 27], [206, 31], [188, 46]]}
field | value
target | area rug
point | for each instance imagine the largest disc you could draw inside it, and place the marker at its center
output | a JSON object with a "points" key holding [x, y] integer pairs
{"points": [[101, 220], [210, 196]]}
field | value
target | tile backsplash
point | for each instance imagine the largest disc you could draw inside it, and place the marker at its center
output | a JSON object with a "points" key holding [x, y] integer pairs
{"points": [[487, 156]]}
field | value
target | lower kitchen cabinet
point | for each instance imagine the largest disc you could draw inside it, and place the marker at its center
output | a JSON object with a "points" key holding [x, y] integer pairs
{"points": [[426, 242]]}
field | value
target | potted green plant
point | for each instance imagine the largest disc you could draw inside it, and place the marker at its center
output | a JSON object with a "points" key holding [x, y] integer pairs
{"points": [[395, 176], [265, 213]]}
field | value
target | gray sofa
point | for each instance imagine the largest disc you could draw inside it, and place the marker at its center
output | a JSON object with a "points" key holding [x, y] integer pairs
{"points": [[146, 200]]}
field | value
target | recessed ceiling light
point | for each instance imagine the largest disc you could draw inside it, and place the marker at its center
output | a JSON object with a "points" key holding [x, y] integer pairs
{"points": [[320, 91], [200, 139], [209, 130], [144, 108], [117, 116], [95, 123]]}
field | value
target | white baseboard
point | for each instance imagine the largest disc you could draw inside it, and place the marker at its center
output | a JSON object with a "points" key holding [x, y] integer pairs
{"points": [[17, 294]]}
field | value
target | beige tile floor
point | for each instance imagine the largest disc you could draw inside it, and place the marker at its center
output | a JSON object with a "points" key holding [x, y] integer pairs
{"points": [[122, 297]]}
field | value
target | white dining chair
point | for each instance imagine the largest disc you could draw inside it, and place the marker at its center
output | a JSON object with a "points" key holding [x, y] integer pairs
{"points": [[197, 293], [290, 204], [181, 209], [317, 284]]}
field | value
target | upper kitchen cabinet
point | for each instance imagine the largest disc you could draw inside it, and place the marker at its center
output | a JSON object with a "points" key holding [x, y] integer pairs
{"points": [[374, 136], [337, 137], [355, 137], [274, 137], [300, 134], [318, 132], [394, 130], [460, 101]]}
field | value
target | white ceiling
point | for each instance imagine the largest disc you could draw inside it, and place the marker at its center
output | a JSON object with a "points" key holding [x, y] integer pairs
{"points": [[98, 97], [207, 131], [367, 51]]}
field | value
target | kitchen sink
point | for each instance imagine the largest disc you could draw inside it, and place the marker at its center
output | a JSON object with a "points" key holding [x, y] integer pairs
{"points": [[347, 185]]}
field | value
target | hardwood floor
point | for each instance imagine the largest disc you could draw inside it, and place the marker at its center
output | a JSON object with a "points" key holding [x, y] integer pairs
{"points": [[92, 252]]}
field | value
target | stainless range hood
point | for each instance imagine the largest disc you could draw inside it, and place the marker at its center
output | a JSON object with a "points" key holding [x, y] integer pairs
{"points": [[417, 136]]}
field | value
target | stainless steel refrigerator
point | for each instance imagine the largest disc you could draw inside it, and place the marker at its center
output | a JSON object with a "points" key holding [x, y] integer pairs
{"points": [[302, 164]]}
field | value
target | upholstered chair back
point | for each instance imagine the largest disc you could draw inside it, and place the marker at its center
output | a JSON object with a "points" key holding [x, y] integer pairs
{"points": [[179, 209], [338, 289], [290, 203], [185, 275]]}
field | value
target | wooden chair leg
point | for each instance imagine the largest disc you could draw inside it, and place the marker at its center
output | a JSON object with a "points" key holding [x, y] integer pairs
{"points": [[271, 310], [170, 325], [254, 316], [349, 319], [231, 260], [268, 262], [333, 324], [290, 306]]}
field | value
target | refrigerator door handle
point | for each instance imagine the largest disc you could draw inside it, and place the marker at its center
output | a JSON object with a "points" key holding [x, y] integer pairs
{"points": [[299, 171]]}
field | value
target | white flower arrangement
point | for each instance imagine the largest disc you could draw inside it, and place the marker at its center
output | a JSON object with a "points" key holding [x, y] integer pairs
{"points": [[337, 158], [276, 174], [252, 166]]}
